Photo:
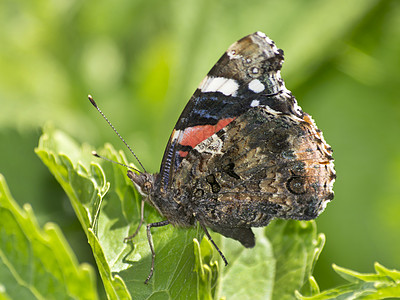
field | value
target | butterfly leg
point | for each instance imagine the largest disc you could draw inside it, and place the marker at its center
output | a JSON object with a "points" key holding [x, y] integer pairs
{"points": [[215, 245], [140, 223], [150, 240]]}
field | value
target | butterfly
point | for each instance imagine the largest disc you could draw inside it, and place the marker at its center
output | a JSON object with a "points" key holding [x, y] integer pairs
{"points": [[242, 152]]}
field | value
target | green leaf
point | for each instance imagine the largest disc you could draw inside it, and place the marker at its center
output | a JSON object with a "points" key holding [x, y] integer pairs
{"points": [[37, 263], [296, 249], [279, 264], [206, 267], [250, 273], [384, 284], [102, 189]]}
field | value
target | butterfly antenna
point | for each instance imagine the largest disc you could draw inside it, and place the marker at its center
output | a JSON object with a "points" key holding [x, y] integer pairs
{"points": [[94, 153], [120, 137]]}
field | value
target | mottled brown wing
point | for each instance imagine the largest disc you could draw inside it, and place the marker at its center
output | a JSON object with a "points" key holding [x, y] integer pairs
{"points": [[263, 165]]}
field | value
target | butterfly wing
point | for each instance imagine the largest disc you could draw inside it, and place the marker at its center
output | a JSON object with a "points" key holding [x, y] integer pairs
{"points": [[243, 151], [263, 165], [246, 75]]}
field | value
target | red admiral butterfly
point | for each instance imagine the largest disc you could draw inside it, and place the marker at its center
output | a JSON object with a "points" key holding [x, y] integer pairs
{"points": [[242, 152]]}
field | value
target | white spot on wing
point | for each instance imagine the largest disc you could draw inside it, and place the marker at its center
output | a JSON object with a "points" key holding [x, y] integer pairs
{"points": [[323, 206], [256, 86], [297, 108], [272, 111], [226, 86], [255, 103], [264, 36], [261, 34]]}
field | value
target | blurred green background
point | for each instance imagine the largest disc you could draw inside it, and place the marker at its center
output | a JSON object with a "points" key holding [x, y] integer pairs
{"points": [[142, 60]]}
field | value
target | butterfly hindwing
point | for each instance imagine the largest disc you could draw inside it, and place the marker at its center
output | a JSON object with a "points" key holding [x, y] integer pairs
{"points": [[261, 166]]}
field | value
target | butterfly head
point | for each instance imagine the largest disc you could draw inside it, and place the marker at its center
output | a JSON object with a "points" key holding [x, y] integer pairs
{"points": [[144, 182]]}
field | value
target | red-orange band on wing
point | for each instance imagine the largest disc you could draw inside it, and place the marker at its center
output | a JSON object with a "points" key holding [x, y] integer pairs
{"points": [[193, 136]]}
